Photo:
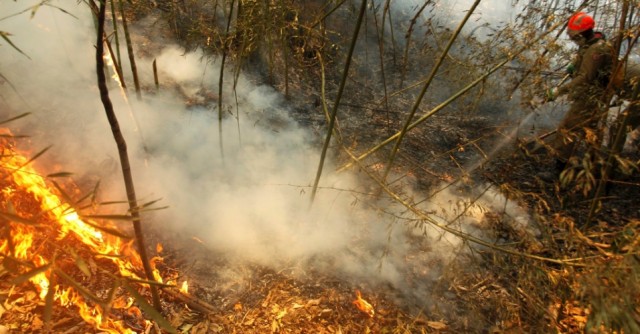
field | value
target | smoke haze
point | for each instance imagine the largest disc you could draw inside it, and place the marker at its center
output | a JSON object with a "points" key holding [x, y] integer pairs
{"points": [[253, 203]]}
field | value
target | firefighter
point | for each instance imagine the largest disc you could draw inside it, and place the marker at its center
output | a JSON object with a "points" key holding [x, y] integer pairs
{"points": [[589, 78]]}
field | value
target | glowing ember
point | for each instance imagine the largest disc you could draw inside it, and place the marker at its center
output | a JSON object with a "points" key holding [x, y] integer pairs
{"points": [[59, 220], [363, 305]]}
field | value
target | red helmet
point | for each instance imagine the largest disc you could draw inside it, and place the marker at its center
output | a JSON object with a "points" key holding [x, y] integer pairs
{"points": [[580, 22]]}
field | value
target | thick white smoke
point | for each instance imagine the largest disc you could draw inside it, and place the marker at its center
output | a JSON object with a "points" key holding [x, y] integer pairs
{"points": [[253, 203]]}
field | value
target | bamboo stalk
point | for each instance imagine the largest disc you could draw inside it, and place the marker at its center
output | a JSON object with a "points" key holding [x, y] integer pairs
{"points": [[124, 157], [117, 40], [155, 74], [320, 20], [380, 35], [334, 112], [453, 97], [432, 75], [116, 64], [225, 50], [132, 58], [385, 12], [405, 58]]}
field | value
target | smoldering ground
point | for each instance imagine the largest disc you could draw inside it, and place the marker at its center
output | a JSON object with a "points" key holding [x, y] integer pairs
{"points": [[245, 196]]}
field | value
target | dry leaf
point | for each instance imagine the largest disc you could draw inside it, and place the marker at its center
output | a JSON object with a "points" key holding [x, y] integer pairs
{"points": [[36, 323], [437, 325], [313, 302]]}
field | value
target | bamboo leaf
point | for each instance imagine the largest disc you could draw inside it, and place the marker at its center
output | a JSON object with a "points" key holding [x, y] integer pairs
{"points": [[11, 136], [151, 312], [18, 219], [107, 230], [144, 281], [35, 8], [113, 203], [65, 197], [94, 192], [155, 209], [81, 199], [62, 10], [16, 117], [80, 262], [61, 174], [38, 155], [31, 273], [148, 204], [81, 289], [5, 35], [109, 217]]}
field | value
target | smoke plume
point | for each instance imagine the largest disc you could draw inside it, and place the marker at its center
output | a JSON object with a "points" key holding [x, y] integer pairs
{"points": [[247, 196]]}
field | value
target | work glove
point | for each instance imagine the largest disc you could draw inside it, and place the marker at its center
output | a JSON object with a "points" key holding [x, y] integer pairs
{"points": [[552, 94], [571, 69]]}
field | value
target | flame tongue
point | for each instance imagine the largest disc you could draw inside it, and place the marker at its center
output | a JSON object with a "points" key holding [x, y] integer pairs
{"points": [[363, 305], [21, 185]]}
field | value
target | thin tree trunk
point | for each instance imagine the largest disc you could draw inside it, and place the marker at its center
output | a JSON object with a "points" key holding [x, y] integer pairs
{"points": [[155, 75], [334, 112], [225, 50], [380, 33], [117, 39], [124, 157], [132, 58], [416, 105], [385, 12], [405, 58]]}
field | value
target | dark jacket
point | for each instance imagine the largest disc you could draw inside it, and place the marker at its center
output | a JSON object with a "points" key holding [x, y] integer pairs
{"points": [[593, 66]]}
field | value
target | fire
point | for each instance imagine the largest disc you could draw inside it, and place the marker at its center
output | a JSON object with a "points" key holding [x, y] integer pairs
{"points": [[185, 288], [109, 62], [363, 305], [25, 242]]}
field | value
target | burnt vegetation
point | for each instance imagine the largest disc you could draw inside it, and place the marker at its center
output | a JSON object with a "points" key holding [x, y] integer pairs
{"points": [[575, 267]]}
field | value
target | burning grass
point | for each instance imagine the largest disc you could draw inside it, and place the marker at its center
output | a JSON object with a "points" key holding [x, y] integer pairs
{"points": [[72, 261], [65, 271]]}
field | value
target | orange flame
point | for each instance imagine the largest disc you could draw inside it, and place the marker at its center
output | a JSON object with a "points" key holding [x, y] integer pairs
{"points": [[185, 288], [363, 305], [67, 223]]}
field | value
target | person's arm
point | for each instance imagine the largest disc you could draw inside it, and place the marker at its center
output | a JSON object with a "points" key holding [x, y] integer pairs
{"points": [[592, 61]]}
